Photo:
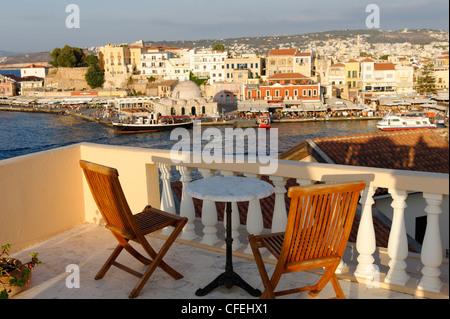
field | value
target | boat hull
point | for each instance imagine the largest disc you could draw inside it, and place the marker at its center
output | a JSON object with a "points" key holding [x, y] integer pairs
{"points": [[121, 128], [404, 128]]}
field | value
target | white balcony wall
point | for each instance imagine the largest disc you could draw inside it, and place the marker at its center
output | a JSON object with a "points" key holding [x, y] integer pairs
{"points": [[45, 193]]}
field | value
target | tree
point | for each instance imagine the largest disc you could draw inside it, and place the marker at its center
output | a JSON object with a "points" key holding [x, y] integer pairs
{"points": [[68, 57], [426, 82], [92, 59], [95, 76], [219, 47], [196, 80]]}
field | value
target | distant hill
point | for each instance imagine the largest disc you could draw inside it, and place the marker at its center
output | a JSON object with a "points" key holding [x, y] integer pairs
{"points": [[263, 43], [26, 58], [7, 53]]}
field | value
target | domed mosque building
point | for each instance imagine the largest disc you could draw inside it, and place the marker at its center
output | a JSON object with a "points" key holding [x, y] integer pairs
{"points": [[186, 99]]}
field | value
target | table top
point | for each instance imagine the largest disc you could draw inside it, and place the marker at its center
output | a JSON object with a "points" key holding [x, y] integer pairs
{"points": [[229, 189]]}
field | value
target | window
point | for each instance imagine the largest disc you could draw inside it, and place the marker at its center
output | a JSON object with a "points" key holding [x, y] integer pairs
{"points": [[295, 92], [355, 74], [349, 74], [304, 93], [286, 93], [277, 93], [315, 92], [267, 93], [309, 93]]}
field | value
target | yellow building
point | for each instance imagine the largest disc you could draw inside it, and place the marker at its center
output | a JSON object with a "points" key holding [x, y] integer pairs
{"points": [[115, 59], [352, 73]]}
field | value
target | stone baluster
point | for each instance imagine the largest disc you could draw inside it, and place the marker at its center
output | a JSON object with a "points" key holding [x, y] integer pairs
{"points": [[167, 201], [365, 240], [209, 215], [279, 219], [432, 246], [235, 219], [187, 208], [398, 242], [255, 224]]}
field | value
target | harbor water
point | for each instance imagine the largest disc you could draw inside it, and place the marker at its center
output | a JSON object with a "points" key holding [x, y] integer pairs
{"points": [[24, 133]]}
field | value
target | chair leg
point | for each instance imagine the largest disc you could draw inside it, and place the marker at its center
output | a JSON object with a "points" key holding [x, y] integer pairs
{"points": [[337, 287], [109, 262], [326, 277], [268, 292], [158, 262]]}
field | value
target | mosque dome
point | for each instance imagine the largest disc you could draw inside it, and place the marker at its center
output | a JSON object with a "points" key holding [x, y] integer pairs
{"points": [[186, 90]]}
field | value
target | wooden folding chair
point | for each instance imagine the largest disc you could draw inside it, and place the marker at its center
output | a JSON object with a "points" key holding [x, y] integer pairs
{"points": [[319, 224], [108, 194]]}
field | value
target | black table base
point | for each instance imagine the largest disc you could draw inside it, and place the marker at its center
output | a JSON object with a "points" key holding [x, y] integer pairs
{"points": [[229, 278]]}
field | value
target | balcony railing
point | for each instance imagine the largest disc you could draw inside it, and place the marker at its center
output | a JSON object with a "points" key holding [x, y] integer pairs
{"points": [[45, 193]]}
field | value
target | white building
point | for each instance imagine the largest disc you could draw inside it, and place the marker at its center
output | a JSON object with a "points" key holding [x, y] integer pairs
{"points": [[178, 67], [404, 78], [34, 70], [208, 64], [154, 62], [377, 77]]}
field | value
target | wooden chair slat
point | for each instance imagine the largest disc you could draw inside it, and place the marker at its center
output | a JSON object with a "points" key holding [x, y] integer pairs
{"points": [[319, 224], [107, 192]]}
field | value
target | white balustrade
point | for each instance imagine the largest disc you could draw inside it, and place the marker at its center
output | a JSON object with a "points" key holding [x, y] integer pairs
{"points": [[167, 201], [209, 215], [255, 223], [279, 219], [365, 239], [432, 246], [398, 241], [431, 255], [187, 208]]}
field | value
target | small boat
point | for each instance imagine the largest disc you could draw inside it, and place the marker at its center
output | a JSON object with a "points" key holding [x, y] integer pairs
{"points": [[404, 122], [263, 121], [151, 123]]}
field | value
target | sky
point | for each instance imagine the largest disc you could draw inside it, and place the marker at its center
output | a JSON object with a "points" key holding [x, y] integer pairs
{"points": [[40, 25]]}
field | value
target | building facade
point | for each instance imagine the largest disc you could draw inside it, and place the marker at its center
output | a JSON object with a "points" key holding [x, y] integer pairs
{"points": [[252, 63], [208, 65], [7, 86]]}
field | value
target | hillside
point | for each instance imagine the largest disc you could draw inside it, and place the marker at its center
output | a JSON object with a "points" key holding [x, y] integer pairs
{"points": [[264, 43], [26, 58]]}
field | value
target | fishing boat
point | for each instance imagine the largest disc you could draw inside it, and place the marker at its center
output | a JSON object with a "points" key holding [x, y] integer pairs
{"points": [[404, 122], [263, 121], [152, 123]]}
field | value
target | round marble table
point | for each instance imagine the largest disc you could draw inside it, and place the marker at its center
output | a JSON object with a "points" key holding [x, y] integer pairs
{"points": [[229, 189]]}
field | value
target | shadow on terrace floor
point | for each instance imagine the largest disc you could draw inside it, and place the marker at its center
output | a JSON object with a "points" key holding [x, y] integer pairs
{"points": [[88, 246]]}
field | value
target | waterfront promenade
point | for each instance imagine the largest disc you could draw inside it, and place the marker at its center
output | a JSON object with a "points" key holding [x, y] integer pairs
{"points": [[96, 114]]}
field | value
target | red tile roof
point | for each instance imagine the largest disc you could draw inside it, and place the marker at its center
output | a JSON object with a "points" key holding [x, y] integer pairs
{"points": [[290, 76], [303, 54], [282, 51], [338, 65], [384, 66], [417, 150]]}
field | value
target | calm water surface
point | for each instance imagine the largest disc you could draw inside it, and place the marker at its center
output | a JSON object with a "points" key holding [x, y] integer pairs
{"points": [[24, 133]]}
